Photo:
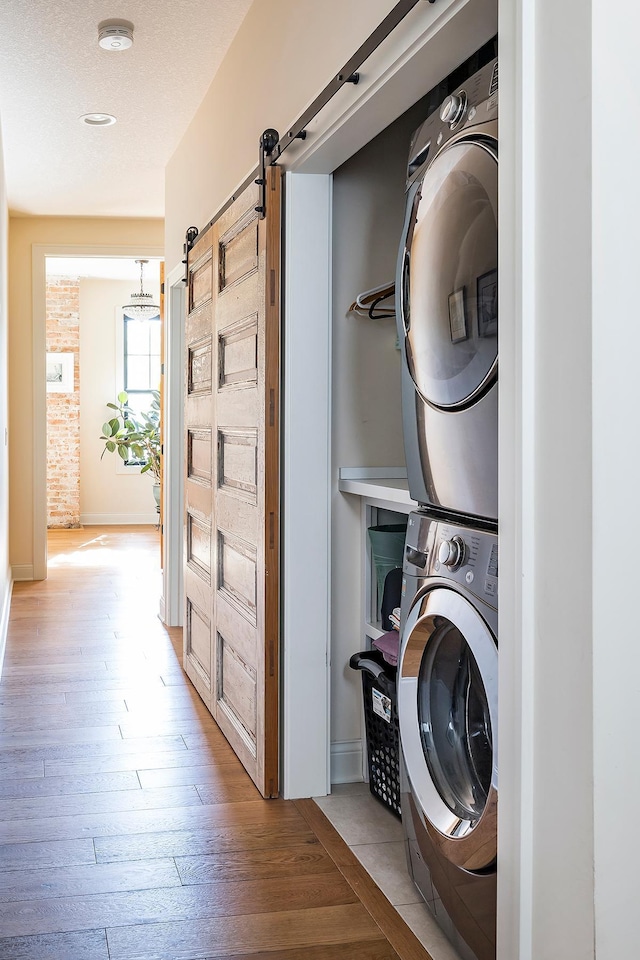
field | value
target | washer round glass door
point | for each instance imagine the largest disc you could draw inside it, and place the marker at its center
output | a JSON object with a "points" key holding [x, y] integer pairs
{"points": [[450, 275], [447, 707]]}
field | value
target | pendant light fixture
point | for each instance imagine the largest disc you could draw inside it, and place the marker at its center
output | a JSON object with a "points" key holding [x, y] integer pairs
{"points": [[141, 305]]}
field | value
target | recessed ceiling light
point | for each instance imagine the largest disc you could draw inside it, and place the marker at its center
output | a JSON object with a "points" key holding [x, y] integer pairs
{"points": [[115, 34], [98, 119]]}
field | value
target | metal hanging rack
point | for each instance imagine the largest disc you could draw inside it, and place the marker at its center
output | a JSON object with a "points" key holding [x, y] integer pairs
{"points": [[372, 304]]}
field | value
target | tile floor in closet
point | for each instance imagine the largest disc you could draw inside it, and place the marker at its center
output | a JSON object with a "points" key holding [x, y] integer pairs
{"points": [[375, 837]]}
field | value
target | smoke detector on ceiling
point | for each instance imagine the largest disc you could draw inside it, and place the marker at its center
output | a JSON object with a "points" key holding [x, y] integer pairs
{"points": [[115, 35]]}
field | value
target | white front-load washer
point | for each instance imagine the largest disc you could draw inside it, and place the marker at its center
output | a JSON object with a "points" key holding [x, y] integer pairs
{"points": [[447, 694], [447, 304]]}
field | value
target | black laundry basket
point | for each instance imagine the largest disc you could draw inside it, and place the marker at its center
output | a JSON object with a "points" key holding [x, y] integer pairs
{"points": [[381, 723]]}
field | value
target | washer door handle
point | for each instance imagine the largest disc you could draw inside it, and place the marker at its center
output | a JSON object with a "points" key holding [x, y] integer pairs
{"points": [[417, 557], [405, 309]]}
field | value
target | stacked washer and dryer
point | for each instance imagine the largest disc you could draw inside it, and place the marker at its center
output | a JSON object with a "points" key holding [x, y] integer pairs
{"points": [[447, 312]]}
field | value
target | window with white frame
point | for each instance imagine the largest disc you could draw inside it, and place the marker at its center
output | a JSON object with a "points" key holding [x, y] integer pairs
{"points": [[141, 361], [137, 368]]}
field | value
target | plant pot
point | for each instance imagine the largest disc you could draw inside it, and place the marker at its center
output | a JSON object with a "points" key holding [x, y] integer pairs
{"points": [[156, 496]]}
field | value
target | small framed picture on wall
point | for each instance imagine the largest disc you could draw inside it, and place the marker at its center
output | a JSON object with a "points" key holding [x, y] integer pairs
{"points": [[487, 291], [59, 372], [457, 317]]}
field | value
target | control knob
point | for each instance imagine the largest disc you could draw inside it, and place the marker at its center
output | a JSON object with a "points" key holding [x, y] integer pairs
{"points": [[453, 108], [451, 552]]}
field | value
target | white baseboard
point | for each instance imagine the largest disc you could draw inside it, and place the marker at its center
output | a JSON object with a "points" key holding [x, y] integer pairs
{"points": [[346, 761], [119, 519], [22, 571], [5, 606]]}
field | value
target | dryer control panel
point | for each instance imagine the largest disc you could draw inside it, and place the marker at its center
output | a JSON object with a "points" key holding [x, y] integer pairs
{"points": [[465, 555], [474, 103]]}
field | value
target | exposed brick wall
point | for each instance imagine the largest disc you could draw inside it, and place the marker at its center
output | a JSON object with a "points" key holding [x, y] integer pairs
{"points": [[63, 409]]}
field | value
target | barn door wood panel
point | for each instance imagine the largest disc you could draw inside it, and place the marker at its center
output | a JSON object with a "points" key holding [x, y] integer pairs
{"points": [[244, 458], [199, 408]]}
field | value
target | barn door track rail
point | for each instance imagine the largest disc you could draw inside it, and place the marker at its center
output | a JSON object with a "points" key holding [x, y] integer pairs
{"points": [[348, 74], [270, 150]]}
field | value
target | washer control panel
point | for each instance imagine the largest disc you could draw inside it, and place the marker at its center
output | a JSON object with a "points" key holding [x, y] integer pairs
{"points": [[465, 555]]}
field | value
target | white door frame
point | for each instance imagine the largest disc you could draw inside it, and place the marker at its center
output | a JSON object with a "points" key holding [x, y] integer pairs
{"points": [[40, 252], [173, 486], [306, 487]]}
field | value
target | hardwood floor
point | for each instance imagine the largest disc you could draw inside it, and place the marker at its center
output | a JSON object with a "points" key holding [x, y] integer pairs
{"points": [[128, 828]]}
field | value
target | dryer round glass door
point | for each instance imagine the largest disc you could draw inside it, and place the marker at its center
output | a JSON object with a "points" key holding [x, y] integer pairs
{"points": [[450, 275], [447, 707]]}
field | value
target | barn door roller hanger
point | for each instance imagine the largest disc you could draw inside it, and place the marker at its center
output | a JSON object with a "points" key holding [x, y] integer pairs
{"points": [[268, 143]]}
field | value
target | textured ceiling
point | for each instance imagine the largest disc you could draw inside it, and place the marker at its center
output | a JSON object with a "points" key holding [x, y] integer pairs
{"points": [[52, 71]]}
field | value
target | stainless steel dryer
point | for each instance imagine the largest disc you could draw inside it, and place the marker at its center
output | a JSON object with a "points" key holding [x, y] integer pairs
{"points": [[447, 691], [447, 303]]}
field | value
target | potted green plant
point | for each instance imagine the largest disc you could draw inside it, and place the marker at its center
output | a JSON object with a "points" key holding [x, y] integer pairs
{"points": [[134, 439]]}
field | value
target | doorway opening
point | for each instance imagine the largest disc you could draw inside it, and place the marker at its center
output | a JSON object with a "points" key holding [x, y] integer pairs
{"points": [[104, 335], [89, 361]]}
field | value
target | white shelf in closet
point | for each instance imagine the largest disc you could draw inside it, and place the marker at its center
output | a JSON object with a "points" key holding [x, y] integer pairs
{"points": [[384, 492]]}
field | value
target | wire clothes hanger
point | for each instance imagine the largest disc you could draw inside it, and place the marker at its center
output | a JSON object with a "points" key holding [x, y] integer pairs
{"points": [[369, 303]]}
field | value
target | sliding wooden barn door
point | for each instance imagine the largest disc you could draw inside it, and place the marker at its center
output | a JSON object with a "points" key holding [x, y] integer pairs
{"points": [[232, 485]]}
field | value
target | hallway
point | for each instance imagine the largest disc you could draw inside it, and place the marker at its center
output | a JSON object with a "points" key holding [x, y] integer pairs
{"points": [[128, 828]]}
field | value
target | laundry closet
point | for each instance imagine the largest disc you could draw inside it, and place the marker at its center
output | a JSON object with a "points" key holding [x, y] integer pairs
{"points": [[368, 459], [368, 452]]}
